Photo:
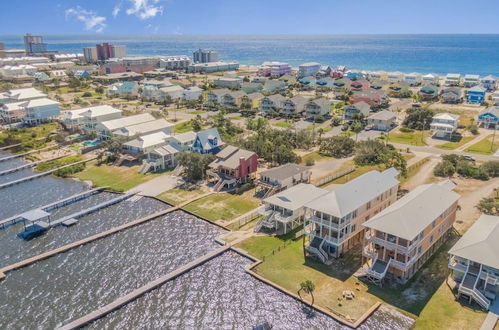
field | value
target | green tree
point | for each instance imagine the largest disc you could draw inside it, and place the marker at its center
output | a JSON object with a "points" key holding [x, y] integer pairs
{"points": [[74, 84], [370, 152], [337, 146], [393, 158], [418, 118], [195, 164], [308, 287], [489, 206], [444, 169]]}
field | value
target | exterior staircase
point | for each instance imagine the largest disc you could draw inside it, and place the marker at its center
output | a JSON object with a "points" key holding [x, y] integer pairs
{"points": [[177, 170], [145, 168], [378, 270], [468, 287], [314, 247]]}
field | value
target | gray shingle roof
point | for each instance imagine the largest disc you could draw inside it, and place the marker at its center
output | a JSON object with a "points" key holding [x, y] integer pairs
{"points": [[284, 171], [296, 197]]}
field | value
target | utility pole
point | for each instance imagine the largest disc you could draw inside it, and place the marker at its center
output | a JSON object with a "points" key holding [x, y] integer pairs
{"points": [[493, 138]]}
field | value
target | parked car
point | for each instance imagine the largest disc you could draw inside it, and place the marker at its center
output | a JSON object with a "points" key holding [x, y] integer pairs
{"points": [[469, 158]]}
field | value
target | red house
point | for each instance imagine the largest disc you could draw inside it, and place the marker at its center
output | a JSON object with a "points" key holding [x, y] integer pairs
{"points": [[374, 98], [233, 167]]}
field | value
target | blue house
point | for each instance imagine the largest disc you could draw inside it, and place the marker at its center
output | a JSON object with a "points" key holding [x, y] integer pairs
{"points": [[489, 117], [80, 74], [354, 75], [475, 95], [207, 141]]}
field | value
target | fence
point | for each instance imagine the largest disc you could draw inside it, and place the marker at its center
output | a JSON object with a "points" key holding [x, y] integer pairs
{"points": [[413, 167], [333, 176], [277, 249], [244, 219]]}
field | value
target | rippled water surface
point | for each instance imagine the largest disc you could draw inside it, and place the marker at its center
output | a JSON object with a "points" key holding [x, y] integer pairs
{"points": [[221, 295], [15, 249], [72, 284]]}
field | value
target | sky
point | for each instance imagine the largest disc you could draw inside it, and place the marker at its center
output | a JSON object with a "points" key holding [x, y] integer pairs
{"points": [[248, 17]]}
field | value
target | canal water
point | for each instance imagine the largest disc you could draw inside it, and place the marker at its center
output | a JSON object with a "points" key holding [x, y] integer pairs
{"points": [[54, 291], [16, 249], [221, 295], [215, 295]]}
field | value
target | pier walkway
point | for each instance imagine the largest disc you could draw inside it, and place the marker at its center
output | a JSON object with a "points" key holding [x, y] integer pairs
{"points": [[39, 175], [11, 146], [29, 165], [20, 155], [52, 206]]}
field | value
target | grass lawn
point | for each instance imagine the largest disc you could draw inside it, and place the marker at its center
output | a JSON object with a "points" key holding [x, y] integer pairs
{"points": [[224, 205], [444, 309], [358, 172], [236, 118], [485, 146], [455, 145], [118, 178], [414, 138], [31, 137], [315, 156], [186, 126], [347, 133], [178, 195], [426, 295], [283, 124]]}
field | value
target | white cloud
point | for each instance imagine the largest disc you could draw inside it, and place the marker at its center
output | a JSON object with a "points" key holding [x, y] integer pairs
{"points": [[145, 9], [89, 18], [116, 10]]}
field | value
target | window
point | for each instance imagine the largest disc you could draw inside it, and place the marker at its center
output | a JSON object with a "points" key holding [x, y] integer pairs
{"points": [[368, 206], [353, 229], [433, 224], [431, 239], [419, 250], [421, 235]]}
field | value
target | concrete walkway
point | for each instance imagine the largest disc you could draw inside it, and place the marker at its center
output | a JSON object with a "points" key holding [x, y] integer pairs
{"points": [[157, 185], [492, 317]]}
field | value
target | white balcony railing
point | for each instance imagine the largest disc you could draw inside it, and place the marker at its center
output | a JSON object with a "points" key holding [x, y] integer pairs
{"points": [[387, 244]]}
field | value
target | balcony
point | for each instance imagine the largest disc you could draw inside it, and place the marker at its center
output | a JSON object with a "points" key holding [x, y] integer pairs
{"points": [[404, 266], [458, 264], [387, 244], [370, 253], [324, 222]]}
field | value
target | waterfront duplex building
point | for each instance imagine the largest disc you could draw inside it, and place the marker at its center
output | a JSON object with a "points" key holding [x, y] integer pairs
{"points": [[404, 235], [273, 102], [471, 80], [88, 118], [489, 83], [282, 177], [294, 106], [444, 124], [474, 261], [320, 107], [285, 211], [334, 221], [274, 69]]}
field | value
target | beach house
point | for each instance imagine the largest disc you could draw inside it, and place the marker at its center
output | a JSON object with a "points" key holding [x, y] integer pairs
{"points": [[382, 121], [108, 127], [475, 95], [22, 94], [285, 210], [320, 107], [356, 109], [216, 95], [145, 143], [88, 118], [489, 83], [207, 142], [32, 111], [453, 79], [400, 238], [232, 98], [251, 101], [192, 93], [308, 69], [228, 82], [430, 79], [283, 177], [148, 127], [413, 79], [452, 95], [274, 86], [375, 98], [471, 80], [489, 117], [294, 106], [274, 69], [273, 102], [495, 98], [334, 221], [124, 89], [444, 125], [233, 166], [474, 262], [395, 77], [428, 92]]}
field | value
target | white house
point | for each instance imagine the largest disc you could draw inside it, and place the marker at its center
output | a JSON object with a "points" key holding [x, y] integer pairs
{"points": [[453, 79], [308, 69], [495, 98], [489, 83], [471, 80], [192, 93], [430, 79], [382, 120], [88, 118], [146, 143], [148, 127], [413, 79], [22, 94], [395, 77], [106, 128], [444, 124]]}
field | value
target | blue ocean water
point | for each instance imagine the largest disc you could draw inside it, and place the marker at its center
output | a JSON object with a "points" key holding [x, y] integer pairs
{"points": [[440, 54]]}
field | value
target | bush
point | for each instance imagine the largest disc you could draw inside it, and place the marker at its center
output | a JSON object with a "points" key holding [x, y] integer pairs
{"points": [[473, 129], [418, 118], [369, 152], [87, 94], [444, 169], [489, 206], [406, 130], [491, 168], [310, 162]]}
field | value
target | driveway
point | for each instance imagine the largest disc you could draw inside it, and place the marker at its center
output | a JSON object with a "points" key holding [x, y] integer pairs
{"points": [[157, 185]]}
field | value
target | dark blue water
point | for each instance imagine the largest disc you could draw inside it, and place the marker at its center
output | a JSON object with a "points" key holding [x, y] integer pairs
{"points": [[407, 53]]}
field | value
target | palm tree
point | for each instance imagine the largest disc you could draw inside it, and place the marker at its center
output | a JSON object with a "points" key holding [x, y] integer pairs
{"points": [[308, 286]]}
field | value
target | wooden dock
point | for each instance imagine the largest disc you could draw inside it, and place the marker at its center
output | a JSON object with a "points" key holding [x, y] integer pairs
{"points": [[55, 205], [4, 159], [11, 146], [39, 175], [29, 165]]}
